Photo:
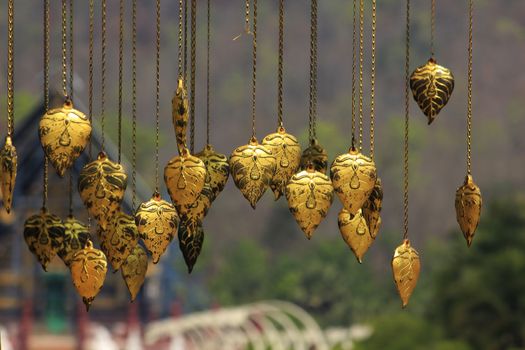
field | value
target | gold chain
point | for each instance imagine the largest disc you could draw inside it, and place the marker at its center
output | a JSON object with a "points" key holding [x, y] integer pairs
{"points": [[313, 72], [157, 99], [120, 75], [361, 49], [71, 49], [179, 42], [354, 58], [208, 73], [280, 65], [469, 84], [46, 92], [407, 117], [185, 40], [193, 62], [432, 25], [64, 48], [134, 105], [254, 68], [246, 20], [373, 80], [90, 78], [103, 72], [10, 67]]}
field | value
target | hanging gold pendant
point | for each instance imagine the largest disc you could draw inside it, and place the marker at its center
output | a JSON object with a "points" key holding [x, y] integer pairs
{"points": [[372, 209], [8, 167], [405, 267], [315, 154], [468, 208], [179, 113], [252, 167], [64, 133], [102, 184], [184, 177], [191, 239], [310, 194], [88, 271], [217, 170], [157, 223], [76, 235], [287, 153], [44, 234], [119, 238], [432, 86], [355, 232], [353, 176], [134, 270]]}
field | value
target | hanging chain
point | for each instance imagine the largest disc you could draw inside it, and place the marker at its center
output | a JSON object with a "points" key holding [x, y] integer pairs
{"points": [[90, 78], [71, 49], [469, 88], [354, 59], [64, 48], [373, 80], [193, 63], [120, 75], [313, 72], [246, 20], [103, 73], [432, 25], [361, 52], [280, 65], [254, 66], [46, 93], [208, 39], [10, 67], [157, 99], [179, 41], [134, 104], [185, 40], [407, 117]]}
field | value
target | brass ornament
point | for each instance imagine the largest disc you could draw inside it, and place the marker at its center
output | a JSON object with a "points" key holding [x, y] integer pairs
{"points": [[134, 270], [353, 176], [405, 267], [431, 86], [8, 167], [217, 170], [76, 235], [287, 153], [372, 209], [119, 238], [316, 155], [102, 184], [157, 223], [179, 113], [44, 234], [355, 232], [64, 133], [88, 271], [252, 167], [468, 208], [184, 176], [310, 195], [191, 239]]}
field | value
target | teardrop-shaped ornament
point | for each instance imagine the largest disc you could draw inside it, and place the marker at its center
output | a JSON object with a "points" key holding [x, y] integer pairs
{"points": [[353, 176], [88, 271], [432, 86], [372, 209], [316, 155], [64, 133], [119, 238], [184, 176], [217, 170], [287, 153], [134, 270], [157, 223], [405, 267], [179, 114], [310, 194], [355, 232], [8, 167], [102, 184], [44, 234], [468, 208], [76, 235], [252, 167]]}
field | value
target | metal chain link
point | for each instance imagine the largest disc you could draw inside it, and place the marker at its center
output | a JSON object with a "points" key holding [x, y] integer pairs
{"points": [[208, 39], [90, 73], [432, 26], [103, 72], [71, 50], [316, 67], [64, 47], [179, 40], [354, 63], [469, 88], [120, 75], [313, 72], [254, 67], [157, 99], [10, 67], [185, 40], [134, 105], [280, 66], [46, 95], [373, 79], [193, 62], [361, 54], [407, 117]]}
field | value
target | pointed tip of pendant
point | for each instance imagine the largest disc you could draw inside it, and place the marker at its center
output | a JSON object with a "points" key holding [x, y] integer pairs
{"points": [[469, 241], [360, 260]]}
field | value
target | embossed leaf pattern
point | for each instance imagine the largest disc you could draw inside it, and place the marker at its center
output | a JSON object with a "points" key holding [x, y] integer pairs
{"points": [[134, 270], [64, 133], [191, 239], [372, 209], [119, 238], [432, 86], [184, 177], [8, 168], [217, 170], [468, 208], [316, 155], [76, 236], [179, 113], [405, 267], [310, 195], [355, 232]]}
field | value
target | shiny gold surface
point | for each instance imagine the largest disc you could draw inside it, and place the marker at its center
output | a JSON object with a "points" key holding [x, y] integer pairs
{"points": [[184, 176], [287, 153], [8, 167], [405, 267], [252, 167], [88, 271], [157, 223], [44, 234], [310, 194], [179, 113], [468, 208], [372, 209], [355, 232], [102, 184], [316, 155], [191, 239], [119, 238], [134, 270], [76, 235], [353, 176], [64, 133], [217, 170], [431, 86]]}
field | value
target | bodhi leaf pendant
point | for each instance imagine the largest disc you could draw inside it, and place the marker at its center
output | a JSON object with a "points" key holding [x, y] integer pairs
{"points": [[179, 113], [184, 176], [372, 209], [119, 238], [76, 235], [134, 270], [316, 155], [405, 267], [217, 170], [8, 167], [468, 208], [355, 232]]}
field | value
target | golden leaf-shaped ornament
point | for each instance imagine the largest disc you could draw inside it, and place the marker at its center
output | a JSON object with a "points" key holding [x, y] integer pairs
{"points": [[405, 267], [44, 234], [184, 176], [8, 167], [314, 154], [287, 153], [134, 270], [64, 133], [102, 184], [76, 235], [88, 271], [372, 209], [432, 86], [353, 176], [468, 208], [217, 170], [191, 239], [179, 113], [119, 238], [355, 232], [310, 194], [252, 167], [157, 223]]}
